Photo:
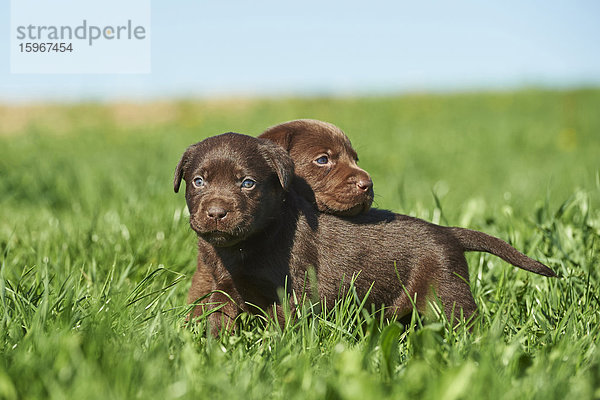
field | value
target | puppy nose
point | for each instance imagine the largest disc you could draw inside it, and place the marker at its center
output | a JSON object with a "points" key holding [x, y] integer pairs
{"points": [[364, 184], [216, 212]]}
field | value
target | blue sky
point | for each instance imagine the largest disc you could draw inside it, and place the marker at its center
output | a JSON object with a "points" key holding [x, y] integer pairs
{"points": [[207, 48]]}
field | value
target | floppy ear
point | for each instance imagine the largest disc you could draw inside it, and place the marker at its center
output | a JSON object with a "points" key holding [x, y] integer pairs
{"points": [[181, 165], [279, 160], [179, 172], [280, 134]]}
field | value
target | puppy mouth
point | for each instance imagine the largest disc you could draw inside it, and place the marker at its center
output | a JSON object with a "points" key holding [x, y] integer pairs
{"points": [[220, 239], [359, 205], [355, 210], [216, 235]]}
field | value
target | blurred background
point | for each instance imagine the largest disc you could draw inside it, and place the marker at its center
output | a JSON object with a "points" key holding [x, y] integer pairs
{"points": [[267, 47]]}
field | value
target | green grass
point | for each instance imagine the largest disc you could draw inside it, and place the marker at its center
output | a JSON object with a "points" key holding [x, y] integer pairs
{"points": [[97, 255]]}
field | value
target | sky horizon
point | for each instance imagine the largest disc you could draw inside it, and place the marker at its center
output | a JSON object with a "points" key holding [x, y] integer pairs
{"points": [[265, 49]]}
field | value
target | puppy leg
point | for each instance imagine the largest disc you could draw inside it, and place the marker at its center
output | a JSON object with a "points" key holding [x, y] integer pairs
{"points": [[227, 302], [204, 287], [454, 291], [222, 319], [202, 284]]}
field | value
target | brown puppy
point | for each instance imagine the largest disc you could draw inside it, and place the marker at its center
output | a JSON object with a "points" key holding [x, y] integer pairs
{"points": [[255, 237], [326, 163]]}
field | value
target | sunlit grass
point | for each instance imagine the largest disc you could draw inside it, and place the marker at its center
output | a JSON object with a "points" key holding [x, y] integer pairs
{"points": [[97, 255]]}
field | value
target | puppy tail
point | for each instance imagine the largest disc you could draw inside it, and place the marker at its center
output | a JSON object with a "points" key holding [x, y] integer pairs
{"points": [[478, 241]]}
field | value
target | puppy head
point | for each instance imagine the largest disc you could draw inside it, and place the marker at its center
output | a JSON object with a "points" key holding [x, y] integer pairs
{"points": [[234, 186], [325, 159]]}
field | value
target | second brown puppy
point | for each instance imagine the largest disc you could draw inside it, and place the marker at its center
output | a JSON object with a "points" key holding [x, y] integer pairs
{"points": [[326, 165]]}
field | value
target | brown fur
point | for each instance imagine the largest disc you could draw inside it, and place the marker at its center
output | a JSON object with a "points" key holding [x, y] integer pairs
{"points": [[338, 187], [261, 239]]}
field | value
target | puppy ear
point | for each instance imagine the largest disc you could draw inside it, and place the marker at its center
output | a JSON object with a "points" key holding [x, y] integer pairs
{"points": [[180, 169], [279, 160], [280, 134], [179, 172]]}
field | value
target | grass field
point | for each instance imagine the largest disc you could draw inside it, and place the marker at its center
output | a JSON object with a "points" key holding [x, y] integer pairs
{"points": [[97, 255]]}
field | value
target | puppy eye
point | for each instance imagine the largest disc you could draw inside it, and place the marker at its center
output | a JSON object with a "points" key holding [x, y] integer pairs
{"points": [[248, 183], [322, 160], [198, 181]]}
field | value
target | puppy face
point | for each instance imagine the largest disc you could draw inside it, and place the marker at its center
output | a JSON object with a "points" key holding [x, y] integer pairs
{"points": [[234, 186], [325, 159]]}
